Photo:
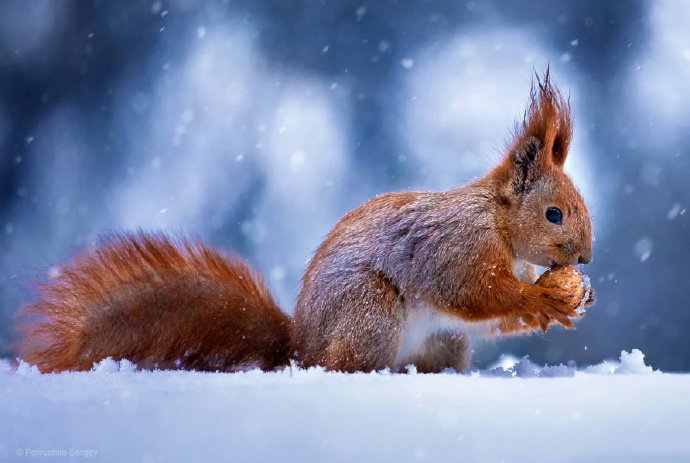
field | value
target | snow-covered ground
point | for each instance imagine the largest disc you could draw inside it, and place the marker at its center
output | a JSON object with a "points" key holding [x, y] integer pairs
{"points": [[617, 411]]}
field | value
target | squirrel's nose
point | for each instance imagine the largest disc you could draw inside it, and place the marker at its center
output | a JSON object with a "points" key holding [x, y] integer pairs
{"points": [[584, 259]]}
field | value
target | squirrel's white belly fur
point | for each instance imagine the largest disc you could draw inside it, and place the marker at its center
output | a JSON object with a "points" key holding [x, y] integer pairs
{"points": [[424, 320]]}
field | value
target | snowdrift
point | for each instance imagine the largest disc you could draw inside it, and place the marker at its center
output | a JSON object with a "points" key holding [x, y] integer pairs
{"points": [[620, 411]]}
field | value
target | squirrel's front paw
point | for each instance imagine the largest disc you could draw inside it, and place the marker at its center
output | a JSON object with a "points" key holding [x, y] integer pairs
{"points": [[557, 306]]}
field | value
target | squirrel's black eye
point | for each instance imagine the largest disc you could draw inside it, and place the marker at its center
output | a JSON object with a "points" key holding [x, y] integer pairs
{"points": [[554, 215]]}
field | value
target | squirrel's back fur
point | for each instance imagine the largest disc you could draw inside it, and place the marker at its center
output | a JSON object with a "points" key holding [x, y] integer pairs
{"points": [[159, 302]]}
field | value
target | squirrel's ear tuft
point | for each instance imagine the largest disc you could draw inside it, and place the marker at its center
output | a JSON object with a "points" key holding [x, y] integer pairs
{"points": [[548, 120]]}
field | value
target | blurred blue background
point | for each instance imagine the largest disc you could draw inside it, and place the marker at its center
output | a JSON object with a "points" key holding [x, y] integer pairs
{"points": [[256, 124]]}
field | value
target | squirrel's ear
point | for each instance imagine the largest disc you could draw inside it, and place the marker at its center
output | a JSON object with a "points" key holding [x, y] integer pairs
{"points": [[548, 120], [527, 159], [561, 143]]}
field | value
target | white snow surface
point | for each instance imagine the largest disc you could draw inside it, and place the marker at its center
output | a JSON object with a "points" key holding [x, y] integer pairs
{"points": [[618, 411]]}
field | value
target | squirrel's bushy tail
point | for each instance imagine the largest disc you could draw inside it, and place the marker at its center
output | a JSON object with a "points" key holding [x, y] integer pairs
{"points": [[159, 302]]}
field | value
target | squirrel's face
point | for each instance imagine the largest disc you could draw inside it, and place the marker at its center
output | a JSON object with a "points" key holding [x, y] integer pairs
{"points": [[545, 218], [550, 222]]}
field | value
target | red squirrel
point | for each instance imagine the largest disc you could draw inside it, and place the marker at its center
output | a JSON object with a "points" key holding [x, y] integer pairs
{"points": [[403, 279]]}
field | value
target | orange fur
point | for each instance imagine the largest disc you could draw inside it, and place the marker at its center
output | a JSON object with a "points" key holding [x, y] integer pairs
{"points": [[159, 303]]}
